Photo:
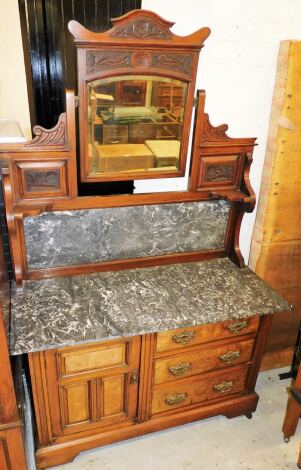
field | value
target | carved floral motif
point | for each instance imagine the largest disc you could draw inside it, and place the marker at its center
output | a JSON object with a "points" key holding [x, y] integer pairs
{"points": [[143, 28], [98, 60], [218, 173], [173, 62], [35, 180]]}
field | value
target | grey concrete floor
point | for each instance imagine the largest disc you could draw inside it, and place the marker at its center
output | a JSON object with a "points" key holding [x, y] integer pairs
{"points": [[216, 443]]}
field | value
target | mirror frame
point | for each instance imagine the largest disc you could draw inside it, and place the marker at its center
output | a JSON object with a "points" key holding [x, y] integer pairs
{"points": [[139, 43]]}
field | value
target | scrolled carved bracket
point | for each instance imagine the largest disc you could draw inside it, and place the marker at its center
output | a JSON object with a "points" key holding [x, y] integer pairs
{"points": [[214, 133], [55, 137], [246, 185]]}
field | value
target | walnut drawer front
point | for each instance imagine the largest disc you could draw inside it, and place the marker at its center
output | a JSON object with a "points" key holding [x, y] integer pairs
{"points": [[202, 360], [205, 388], [182, 338]]}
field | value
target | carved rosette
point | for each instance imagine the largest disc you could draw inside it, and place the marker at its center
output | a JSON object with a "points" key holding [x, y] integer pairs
{"points": [[55, 137], [141, 59], [142, 28]]}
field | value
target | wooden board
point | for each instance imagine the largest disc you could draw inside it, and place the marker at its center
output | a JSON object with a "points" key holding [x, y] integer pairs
{"points": [[276, 244]]}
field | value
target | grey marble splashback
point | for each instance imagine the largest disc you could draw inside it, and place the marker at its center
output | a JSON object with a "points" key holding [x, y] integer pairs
{"points": [[92, 307], [88, 236]]}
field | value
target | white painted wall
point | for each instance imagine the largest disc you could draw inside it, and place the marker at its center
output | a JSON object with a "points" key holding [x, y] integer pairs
{"points": [[13, 90], [237, 69]]}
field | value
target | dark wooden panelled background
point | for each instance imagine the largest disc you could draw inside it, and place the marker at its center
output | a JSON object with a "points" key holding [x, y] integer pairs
{"points": [[49, 52], [50, 59]]}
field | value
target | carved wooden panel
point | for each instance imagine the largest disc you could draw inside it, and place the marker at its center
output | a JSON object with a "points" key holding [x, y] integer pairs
{"points": [[102, 61], [41, 179], [143, 28], [218, 171], [97, 61]]}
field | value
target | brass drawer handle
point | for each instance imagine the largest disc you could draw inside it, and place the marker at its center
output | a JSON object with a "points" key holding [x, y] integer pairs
{"points": [[176, 398], [230, 356], [180, 369], [223, 387], [238, 326], [184, 338]]}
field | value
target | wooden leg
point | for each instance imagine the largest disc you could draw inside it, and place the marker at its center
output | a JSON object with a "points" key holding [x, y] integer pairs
{"points": [[299, 459], [292, 414], [291, 419]]}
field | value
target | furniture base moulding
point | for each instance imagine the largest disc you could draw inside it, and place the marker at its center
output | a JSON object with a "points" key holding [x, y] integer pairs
{"points": [[58, 454]]}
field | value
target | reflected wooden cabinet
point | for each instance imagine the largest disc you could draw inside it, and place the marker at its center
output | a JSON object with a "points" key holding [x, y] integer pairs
{"points": [[100, 393]]}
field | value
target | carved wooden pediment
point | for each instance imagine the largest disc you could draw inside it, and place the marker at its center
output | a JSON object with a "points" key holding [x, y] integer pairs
{"points": [[143, 26]]}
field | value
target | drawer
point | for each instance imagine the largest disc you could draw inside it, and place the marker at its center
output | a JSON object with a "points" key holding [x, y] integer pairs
{"points": [[182, 338], [202, 360], [201, 389], [140, 132], [86, 359], [115, 134]]}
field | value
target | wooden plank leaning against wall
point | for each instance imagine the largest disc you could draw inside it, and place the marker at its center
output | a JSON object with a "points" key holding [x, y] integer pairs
{"points": [[12, 454], [276, 244]]}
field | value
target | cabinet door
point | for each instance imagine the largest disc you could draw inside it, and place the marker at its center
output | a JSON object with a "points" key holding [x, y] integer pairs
{"points": [[92, 386]]}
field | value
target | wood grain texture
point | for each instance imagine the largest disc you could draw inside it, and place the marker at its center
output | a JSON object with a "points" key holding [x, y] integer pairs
{"points": [[96, 407], [276, 244]]}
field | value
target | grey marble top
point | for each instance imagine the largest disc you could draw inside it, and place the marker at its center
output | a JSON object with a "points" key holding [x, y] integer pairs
{"points": [[68, 310], [68, 238]]}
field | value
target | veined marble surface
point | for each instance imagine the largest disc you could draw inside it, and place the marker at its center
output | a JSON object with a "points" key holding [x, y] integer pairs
{"points": [[92, 307], [90, 236]]}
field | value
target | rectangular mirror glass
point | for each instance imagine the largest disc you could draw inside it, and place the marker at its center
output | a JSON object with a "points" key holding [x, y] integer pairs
{"points": [[135, 124]]}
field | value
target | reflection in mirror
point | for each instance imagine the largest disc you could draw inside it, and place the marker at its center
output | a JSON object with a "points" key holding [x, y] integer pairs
{"points": [[135, 124]]}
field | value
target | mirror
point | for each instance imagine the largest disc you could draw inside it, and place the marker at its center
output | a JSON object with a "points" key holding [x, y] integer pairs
{"points": [[135, 125]]}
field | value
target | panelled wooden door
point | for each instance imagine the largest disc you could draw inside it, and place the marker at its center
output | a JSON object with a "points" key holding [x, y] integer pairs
{"points": [[92, 386]]}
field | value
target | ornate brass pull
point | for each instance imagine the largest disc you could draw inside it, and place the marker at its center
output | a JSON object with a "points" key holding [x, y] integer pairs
{"points": [[179, 369], [230, 356], [184, 338], [176, 398], [223, 387], [134, 378], [238, 326]]}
